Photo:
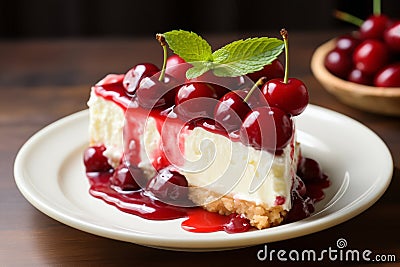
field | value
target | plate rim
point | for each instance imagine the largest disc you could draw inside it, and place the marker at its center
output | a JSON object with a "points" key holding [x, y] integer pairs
{"points": [[252, 238]]}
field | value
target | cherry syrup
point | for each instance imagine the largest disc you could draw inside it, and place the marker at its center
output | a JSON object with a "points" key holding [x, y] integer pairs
{"points": [[307, 190]]}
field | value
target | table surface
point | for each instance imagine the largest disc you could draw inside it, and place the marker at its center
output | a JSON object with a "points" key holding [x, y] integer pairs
{"points": [[44, 80]]}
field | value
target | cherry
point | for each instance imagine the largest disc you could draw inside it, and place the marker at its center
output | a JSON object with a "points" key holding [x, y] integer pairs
{"points": [[267, 128], [374, 26], [168, 185], [193, 100], [290, 95], [389, 76], [135, 75], [177, 67], [94, 159], [339, 63], [301, 208], [271, 71], [347, 43], [153, 93], [233, 107], [310, 170], [370, 56], [357, 76], [158, 90], [392, 37], [126, 179], [237, 224]]}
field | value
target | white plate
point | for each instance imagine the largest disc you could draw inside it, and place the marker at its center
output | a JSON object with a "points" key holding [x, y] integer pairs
{"points": [[50, 174]]}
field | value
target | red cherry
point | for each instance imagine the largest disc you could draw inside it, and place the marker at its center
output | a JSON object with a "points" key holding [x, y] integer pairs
{"points": [[168, 185], [126, 179], [392, 37], [155, 94], [94, 159], [256, 99], [288, 94], [237, 224], [374, 26], [291, 97], [135, 75], [339, 63], [388, 76], [301, 208], [357, 76], [195, 100], [347, 43], [231, 110], [370, 56], [177, 67], [267, 128], [271, 71], [309, 170]]}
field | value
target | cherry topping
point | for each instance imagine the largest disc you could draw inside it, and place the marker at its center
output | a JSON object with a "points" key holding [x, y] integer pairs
{"points": [[271, 71], [177, 67], [237, 224], [157, 90], [301, 208], [370, 56], [233, 107], [231, 110], [339, 63], [389, 76], [267, 128], [126, 179], [309, 170], [94, 159], [135, 75], [154, 93], [193, 100], [168, 185], [290, 95]]}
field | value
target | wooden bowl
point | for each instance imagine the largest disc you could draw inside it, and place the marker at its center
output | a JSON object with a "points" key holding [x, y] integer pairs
{"points": [[381, 100]]}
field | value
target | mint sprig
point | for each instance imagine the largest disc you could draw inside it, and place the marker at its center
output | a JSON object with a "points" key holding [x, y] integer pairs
{"points": [[188, 45], [237, 58]]}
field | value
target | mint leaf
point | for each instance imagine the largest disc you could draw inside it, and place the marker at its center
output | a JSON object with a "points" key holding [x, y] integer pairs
{"points": [[198, 69], [246, 56], [188, 45]]}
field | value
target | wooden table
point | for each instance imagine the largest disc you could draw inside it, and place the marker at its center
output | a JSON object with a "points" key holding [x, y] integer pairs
{"points": [[42, 81]]}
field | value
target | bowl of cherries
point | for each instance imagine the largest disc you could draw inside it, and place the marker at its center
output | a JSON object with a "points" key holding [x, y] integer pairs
{"points": [[362, 68]]}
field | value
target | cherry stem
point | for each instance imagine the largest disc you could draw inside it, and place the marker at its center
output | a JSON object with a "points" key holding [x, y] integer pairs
{"points": [[260, 82], [348, 18], [377, 7], [161, 39], [285, 37]]}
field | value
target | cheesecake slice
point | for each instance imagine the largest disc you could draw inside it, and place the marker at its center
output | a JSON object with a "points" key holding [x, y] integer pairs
{"points": [[224, 175]]}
